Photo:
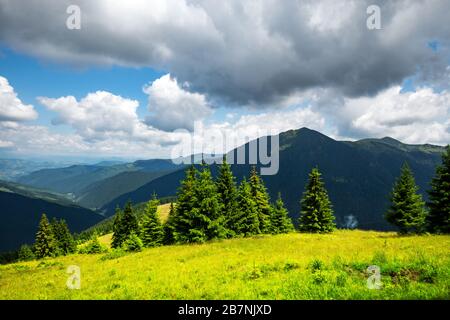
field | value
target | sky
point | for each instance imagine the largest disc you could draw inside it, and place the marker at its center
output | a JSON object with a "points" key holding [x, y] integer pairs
{"points": [[143, 79]]}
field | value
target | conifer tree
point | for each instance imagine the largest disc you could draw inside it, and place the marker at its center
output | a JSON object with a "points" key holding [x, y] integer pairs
{"points": [[118, 234], [26, 253], [407, 210], [207, 221], [245, 220], [262, 200], [438, 218], [226, 188], [64, 239], [129, 221], [169, 226], [281, 222], [45, 245], [185, 203], [316, 213], [152, 232]]}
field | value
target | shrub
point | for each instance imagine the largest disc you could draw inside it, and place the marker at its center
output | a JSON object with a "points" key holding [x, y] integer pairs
{"points": [[133, 243], [93, 247], [26, 253]]}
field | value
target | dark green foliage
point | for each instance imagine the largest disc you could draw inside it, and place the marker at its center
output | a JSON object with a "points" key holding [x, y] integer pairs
{"points": [[152, 233], [316, 213], [93, 247], [26, 253], [63, 237], [45, 245], [185, 204], [133, 243], [118, 234], [245, 220], [407, 208], [438, 218], [262, 200], [169, 226], [226, 188], [280, 220], [125, 223]]}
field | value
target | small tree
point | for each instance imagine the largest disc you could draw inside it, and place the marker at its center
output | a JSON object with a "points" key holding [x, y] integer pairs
{"points": [[63, 237], [245, 220], [118, 233], [133, 243], [262, 200], [316, 213], [407, 210], [438, 218], [45, 245], [152, 232], [26, 253], [281, 222]]}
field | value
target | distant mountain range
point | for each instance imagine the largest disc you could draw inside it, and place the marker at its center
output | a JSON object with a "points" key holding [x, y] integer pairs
{"points": [[358, 175], [22, 207]]}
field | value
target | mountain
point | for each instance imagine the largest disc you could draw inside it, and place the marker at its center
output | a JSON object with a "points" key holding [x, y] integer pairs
{"points": [[76, 179], [21, 208], [10, 169], [358, 175]]}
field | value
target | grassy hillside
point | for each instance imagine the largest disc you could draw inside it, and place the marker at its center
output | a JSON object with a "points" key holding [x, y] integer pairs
{"points": [[292, 266]]}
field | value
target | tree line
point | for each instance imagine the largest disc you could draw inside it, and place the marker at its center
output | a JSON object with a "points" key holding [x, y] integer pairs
{"points": [[208, 209]]}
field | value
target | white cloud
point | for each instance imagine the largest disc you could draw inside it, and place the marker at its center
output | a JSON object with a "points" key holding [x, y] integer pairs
{"points": [[11, 108], [172, 107], [412, 117]]}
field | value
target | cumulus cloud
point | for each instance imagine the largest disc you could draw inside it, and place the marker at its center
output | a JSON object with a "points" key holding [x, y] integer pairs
{"points": [[240, 52], [422, 116], [11, 108], [172, 107]]}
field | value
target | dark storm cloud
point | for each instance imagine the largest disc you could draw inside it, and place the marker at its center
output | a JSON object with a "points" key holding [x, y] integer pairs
{"points": [[239, 52]]}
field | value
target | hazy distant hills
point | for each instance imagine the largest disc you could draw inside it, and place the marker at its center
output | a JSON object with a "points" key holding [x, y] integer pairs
{"points": [[21, 208], [358, 175]]}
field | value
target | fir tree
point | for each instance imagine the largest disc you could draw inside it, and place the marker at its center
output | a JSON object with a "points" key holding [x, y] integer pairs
{"points": [[207, 221], [45, 245], [26, 253], [132, 243], [281, 222], [262, 200], [407, 208], [152, 232], [226, 188], [316, 213], [438, 218], [64, 239], [118, 234], [129, 221], [185, 203], [245, 220]]}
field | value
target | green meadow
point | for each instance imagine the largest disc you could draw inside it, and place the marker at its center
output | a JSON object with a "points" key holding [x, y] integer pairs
{"points": [[288, 266]]}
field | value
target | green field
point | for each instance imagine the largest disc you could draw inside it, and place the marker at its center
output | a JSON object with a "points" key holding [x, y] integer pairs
{"points": [[292, 266]]}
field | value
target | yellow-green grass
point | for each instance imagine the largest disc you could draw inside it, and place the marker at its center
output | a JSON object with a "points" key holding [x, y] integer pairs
{"points": [[291, 266], [163, 211]]}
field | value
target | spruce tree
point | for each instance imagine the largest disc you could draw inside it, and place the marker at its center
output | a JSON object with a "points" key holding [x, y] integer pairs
{"points": [[64, 239], [45, 244], [152, 232], [262, 200], [129, 221], [26, 253], [185, 203], [118, 234], [244, 220], [226, 188], [316, 213], [407, 210], [281, 222], [438, 218], [207, 221]]}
